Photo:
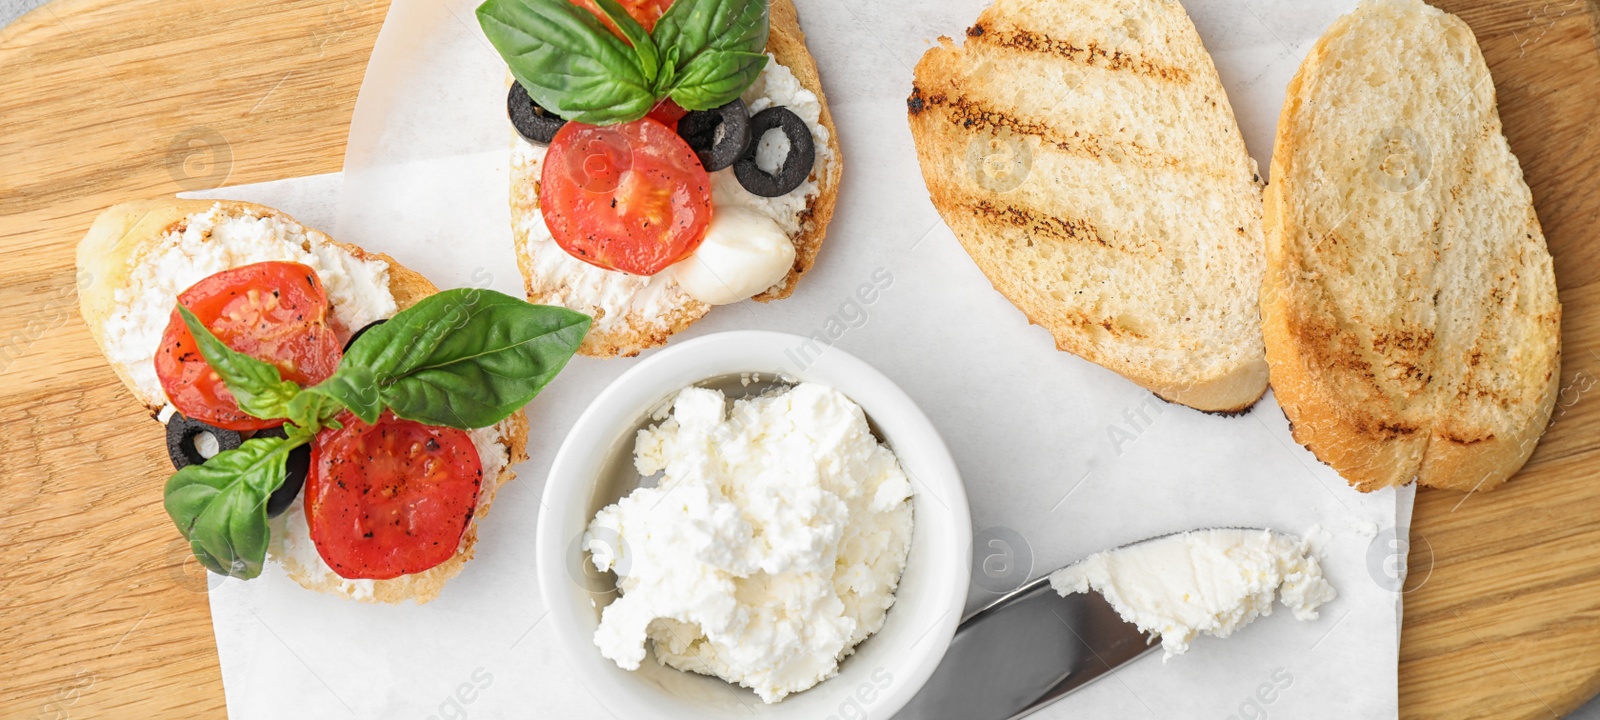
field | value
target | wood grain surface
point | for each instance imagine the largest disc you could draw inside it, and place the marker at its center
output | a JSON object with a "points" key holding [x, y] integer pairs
{"points": [[103, 613]]}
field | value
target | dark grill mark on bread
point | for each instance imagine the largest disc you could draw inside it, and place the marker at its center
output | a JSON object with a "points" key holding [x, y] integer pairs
{"points": [[971, 114], [1090, 54], [1458, 440], [1037, 223], [1405, 351], [1100, 133], [1087, 324], [1330, 346], [1392, 430]]}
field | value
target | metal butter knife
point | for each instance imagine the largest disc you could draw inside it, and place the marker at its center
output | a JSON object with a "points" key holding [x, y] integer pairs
{"points": [[1026, 650]]}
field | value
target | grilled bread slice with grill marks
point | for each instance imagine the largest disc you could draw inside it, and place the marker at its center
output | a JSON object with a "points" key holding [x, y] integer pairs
{"points": [[1085, 154], [1409, 302]]}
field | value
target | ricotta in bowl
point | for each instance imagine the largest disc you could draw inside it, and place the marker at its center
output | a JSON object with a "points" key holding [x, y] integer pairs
{"points": [[771, 546]]}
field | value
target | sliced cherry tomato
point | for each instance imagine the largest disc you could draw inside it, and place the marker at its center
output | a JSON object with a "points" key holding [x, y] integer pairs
{"points": [[271, 311], [392, 498], [630, 197], [668, 113], [646, 12]]}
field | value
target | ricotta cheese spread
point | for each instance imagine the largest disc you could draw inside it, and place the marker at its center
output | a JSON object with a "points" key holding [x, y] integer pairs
{"points": [[612, 297], [291, 543], [771, 546], [209, 242], [1207, 581]]}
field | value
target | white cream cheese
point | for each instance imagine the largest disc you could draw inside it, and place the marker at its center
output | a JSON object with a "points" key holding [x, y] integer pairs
{"points": [[212, 241], [291, 542], [612, 297], [771, 547], [743, 254], [558, 278], [1207, 581]]}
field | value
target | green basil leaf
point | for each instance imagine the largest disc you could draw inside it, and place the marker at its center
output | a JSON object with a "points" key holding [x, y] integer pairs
{"points": [[638, 37], [206, 560], [568, 62], [729, 29], [353, 387], [694, 26], [467, 358], [715, 78], [668, 73], [221, 506], [256, 385], [315, 407]]}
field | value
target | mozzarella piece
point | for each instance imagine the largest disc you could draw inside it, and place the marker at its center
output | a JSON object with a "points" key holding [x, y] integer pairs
{"points": [[744, 253]]}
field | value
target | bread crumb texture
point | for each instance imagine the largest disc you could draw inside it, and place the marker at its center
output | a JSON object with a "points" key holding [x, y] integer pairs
{"points": [[1412, 323]]}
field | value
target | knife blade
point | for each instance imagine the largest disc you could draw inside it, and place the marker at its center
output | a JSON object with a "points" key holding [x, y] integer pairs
{"points": [[1024, 651], [1031, 648]]}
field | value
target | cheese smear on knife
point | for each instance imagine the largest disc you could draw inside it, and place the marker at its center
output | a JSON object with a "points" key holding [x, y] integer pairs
{"points": [[1207, 581]]}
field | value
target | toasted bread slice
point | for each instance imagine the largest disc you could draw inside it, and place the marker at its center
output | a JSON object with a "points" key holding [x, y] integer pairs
{"points": [[123, 236], [1085, 155], [1409, 303], [654, 308]]}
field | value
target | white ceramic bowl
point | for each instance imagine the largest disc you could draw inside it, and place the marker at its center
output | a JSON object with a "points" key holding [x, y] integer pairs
{"points": [[590, 472]]}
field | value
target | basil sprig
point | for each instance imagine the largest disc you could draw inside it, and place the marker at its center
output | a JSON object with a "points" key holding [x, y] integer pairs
{"points": [[702, 54], [256, 385], [718, 45], [464, 358], [455, 364], [221, 505]]}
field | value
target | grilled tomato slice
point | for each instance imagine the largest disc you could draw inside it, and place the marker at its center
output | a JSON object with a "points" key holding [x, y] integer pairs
{"points": [[391, 498], [646, 12], [630, 197], [271, 311]]}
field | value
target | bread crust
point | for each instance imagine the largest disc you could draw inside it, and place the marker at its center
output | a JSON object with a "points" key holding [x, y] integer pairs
{"points": [[964, 95], [787, 44], [1374, 432], [119, 239]]}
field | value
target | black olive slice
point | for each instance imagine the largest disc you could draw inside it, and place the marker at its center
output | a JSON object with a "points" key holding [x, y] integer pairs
{"points": [[299, 464], [796, 166], [364, 328], [181, 434], [718, 136], [535, 124]]}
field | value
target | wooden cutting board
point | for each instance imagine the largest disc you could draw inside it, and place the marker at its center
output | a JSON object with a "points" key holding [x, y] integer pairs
{"points": [[102, 614]]}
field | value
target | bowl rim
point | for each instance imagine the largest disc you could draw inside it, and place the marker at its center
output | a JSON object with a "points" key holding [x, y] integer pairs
{"points": [[658, 375]]}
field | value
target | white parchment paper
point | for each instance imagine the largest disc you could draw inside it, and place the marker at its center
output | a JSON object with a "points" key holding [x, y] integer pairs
{"points": [[1061, 458]]}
